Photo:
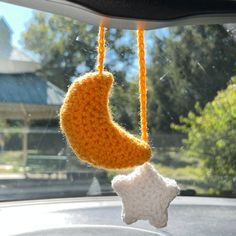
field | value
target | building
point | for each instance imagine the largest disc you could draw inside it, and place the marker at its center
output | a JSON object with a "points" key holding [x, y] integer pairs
{"points": [[24, 95]]}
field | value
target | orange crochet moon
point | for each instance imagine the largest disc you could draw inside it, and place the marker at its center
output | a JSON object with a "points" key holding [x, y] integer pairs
{"points": [[87, 123]]}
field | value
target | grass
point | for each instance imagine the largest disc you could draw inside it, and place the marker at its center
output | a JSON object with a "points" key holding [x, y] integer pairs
{"points": [[11, 158], [11, 161], [183, 173], [188, 172], [189, 177]]}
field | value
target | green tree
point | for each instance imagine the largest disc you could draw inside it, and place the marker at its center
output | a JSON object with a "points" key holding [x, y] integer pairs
{"points": [[189, 64], [67, 48], [212, 135]]}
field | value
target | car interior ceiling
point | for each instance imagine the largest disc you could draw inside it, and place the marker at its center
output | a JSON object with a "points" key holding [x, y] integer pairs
{"points": [[126, 14]]}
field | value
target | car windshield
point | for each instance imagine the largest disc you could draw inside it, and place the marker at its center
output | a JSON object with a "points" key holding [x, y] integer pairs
{"points": [[191, 105]]}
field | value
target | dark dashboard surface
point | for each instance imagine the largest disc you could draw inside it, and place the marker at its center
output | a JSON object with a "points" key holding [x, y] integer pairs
{"points": [[188, 216]]}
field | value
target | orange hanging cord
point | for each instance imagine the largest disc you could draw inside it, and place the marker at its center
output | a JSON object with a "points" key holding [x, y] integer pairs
{"points": [[101, 48], [142, 74], [142, 84]]}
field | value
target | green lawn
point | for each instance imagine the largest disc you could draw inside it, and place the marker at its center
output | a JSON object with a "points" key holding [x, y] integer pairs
{"points": [[12, 161], [11, 158], [188, 172]]}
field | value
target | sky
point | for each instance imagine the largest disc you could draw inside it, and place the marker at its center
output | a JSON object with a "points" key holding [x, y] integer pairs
{"points": [[16, 17]]}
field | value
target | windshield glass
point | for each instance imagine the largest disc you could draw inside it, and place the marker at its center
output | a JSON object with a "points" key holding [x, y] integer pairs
{"points": [[191, 104]]}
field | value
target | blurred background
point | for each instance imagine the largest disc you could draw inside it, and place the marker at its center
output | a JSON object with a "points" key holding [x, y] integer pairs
{"points": [[191, 103]]}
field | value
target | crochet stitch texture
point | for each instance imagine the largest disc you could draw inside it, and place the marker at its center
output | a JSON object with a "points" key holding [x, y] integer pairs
{"points": [[146, 195], [87, 123]]}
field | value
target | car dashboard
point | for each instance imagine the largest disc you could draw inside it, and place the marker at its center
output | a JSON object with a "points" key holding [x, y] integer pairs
{"points": [[101, 216]]}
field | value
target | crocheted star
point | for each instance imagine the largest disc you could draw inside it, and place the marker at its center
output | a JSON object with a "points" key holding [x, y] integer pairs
{"points": [[146, 195]]}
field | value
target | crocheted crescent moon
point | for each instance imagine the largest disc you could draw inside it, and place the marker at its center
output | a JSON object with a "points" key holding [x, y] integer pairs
{"points": [[87, 123]]}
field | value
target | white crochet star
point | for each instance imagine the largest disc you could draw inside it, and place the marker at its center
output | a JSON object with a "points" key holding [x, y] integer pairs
{"points": [[146, 195]]}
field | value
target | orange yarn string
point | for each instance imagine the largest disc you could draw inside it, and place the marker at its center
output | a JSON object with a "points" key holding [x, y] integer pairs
{"points": [[101, 48], [142, 73], [142, 84]]}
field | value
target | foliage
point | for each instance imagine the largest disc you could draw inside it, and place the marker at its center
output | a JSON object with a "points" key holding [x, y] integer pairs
{"points": [[69, 49], [186, 68], [189, 64], [212, 135]]}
